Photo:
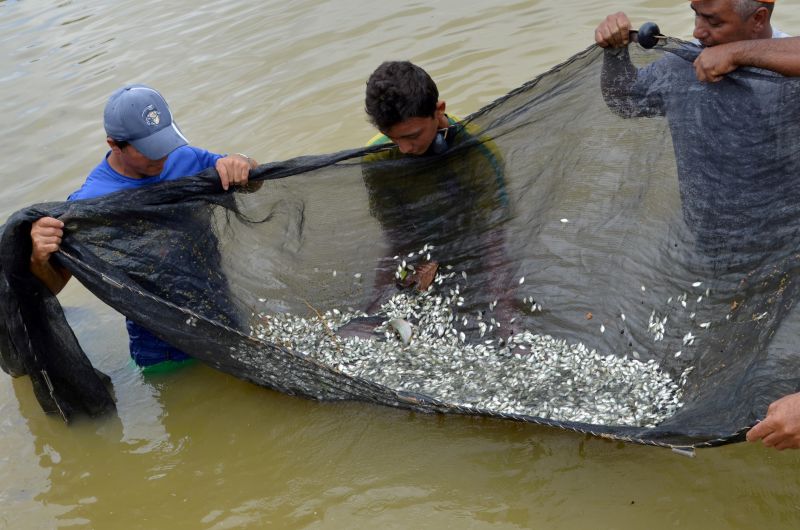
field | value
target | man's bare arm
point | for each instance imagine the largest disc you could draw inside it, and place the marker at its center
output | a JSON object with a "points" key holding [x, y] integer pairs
{"points": [[46, 234], [778, 55]]}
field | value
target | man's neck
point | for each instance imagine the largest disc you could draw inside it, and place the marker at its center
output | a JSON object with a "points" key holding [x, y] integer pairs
{"points": [[120, 167]]}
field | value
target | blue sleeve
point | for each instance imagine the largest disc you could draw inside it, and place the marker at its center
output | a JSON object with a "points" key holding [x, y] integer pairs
{"points": [[188, 160], [77, 195], [206, 159], [99, 182]]}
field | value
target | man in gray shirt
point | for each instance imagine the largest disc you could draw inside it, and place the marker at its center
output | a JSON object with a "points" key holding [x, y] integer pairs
{"points": [[721, 133]]}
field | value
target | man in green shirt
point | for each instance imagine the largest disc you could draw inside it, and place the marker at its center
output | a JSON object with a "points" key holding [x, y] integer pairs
{"points": [[439, 181], [403, 104]]}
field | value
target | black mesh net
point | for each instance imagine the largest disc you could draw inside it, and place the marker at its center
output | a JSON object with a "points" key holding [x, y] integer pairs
{"points": [[616, 255]]}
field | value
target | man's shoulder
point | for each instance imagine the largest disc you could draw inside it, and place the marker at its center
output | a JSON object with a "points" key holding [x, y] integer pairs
{"points": [[187, 160], [778, 34], [669, 74], [193, 153], [378, 139], [101, 180]]}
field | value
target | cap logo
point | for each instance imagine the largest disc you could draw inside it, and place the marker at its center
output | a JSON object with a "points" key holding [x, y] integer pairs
{"points": [[151, 116]]}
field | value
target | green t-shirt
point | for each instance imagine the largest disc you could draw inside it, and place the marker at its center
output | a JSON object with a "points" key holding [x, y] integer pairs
{"points": [[442, 199]]}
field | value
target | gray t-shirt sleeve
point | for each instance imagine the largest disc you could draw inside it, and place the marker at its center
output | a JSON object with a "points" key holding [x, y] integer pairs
{"points": [[631, 92]]}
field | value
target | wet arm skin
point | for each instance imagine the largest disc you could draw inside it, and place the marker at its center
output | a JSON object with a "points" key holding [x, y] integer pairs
{"points": [[54, 277], [779, 55], [46, 234]]}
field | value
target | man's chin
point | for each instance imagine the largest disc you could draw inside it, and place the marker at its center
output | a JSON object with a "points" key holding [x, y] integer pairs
{"points": [[419, 153]]}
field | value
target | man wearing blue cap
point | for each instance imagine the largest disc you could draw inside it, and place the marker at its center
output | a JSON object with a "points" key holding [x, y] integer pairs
{"points": [[146, 148]]}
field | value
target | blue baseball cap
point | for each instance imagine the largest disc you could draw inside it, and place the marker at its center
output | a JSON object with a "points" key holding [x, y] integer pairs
{"points": [[139, 115]]}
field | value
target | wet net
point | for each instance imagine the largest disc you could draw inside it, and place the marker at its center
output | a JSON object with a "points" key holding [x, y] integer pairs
{"points": [[616, 255]]}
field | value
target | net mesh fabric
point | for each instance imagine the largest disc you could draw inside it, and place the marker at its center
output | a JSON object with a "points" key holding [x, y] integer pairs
{"points": [[627, 232]]}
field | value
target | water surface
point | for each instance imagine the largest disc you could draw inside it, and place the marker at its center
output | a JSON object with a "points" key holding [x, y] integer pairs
{"points": [[198, 449]]}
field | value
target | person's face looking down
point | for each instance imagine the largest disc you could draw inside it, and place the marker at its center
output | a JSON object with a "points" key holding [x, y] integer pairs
{"points": [[415, 135], [717, 22], [135, 163]]}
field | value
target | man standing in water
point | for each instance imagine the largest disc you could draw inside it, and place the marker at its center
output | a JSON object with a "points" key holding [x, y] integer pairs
{"points": [[733, 34], [146, 148], [402, 102], [441, 184]]}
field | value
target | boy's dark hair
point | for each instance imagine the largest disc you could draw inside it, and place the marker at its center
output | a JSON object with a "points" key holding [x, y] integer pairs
{"points": [[397, 91]]}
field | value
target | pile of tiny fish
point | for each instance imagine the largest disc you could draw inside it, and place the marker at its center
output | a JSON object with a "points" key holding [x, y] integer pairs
{"points": [[422, 347]]}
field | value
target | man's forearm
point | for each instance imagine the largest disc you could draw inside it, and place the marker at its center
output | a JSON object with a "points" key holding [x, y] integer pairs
{"points": [[779, 55], [54, 277]]}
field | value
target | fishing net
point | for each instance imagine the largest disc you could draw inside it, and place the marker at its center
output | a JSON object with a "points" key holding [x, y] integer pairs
{"points": [[613, 258]]}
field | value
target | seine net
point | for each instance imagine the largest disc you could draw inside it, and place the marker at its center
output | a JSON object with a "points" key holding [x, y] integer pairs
{"points": [[616, 255]]}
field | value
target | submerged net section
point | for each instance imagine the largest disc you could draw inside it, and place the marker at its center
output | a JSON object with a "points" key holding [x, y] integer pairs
{"points": [[614, 257], [525, 374]]}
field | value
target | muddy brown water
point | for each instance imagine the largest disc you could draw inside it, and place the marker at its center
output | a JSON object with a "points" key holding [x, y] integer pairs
{"points": [[196, 448]]}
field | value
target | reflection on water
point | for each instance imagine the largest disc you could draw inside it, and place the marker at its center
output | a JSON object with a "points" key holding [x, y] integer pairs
{"points": [[198, 449]]}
